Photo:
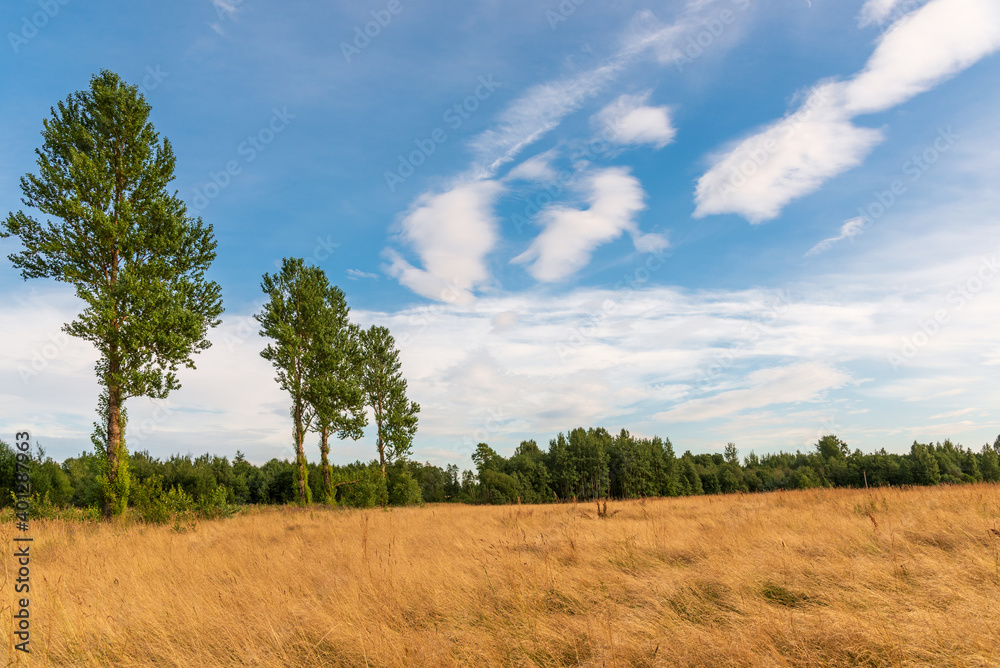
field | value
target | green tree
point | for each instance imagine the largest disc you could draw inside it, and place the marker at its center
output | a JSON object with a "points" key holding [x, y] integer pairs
{"points": [[297, 318], [989, 464], [689, 479], [337, 396], [385, 390], [925, 465], [128, 247]]}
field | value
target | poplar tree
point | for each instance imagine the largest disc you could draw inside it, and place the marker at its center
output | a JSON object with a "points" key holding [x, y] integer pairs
{"points": [[385, 389], [298, 319], [127, 246], [336, 394]]}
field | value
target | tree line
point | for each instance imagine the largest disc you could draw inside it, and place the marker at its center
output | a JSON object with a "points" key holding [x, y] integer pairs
{"points": [[581, 465]]}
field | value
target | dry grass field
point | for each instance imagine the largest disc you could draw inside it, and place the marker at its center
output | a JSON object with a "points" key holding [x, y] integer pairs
{"points": [[815, 578]]}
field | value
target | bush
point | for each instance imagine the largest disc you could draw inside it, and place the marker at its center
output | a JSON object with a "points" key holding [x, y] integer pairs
{"points": [[360, 487], [149, 502], [216, 505], [405, 491]]}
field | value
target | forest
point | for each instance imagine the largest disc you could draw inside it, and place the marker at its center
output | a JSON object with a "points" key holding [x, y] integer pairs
{"points": [[583, 465]]}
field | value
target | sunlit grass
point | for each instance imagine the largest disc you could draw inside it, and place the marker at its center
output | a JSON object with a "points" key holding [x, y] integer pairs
{"points": [[815, 578]]}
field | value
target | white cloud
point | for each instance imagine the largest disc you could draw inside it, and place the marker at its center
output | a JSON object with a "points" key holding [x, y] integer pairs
{"points": [[526, 119], [506, 367], [789, 159], [543, 107], [930, 45], [226, 8], [793, 383], [534, 114], [571, 235], [452, 232], [882, 11], [629, 121], [795, 155], [537, 169], [355, 274], [850, 229]]}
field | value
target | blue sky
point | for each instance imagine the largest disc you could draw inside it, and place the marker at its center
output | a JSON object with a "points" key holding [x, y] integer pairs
{"points": [[720, 220]]}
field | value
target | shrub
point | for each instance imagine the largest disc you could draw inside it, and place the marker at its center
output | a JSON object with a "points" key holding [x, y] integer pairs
{"points": [[405, 491]]}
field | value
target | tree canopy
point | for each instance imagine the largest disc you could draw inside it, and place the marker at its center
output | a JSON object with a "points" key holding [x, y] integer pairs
{"points": [[135, 257]]}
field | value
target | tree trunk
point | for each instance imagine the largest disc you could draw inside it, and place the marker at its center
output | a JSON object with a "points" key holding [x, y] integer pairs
{"points": [[113, 444], [381, 443], [381, 455], [300, 455], [324, 451]]}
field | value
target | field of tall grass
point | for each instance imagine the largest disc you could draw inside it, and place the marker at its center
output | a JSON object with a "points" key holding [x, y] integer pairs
{"points": [[814, 578]]}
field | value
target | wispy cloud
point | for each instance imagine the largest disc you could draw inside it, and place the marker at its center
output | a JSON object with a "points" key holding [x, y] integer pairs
{"points": [[537, 169], [796, 155], [878, 12], [224, 10], [543, 107], [851, 228], [787, 384], [525, 120], [355, 274], [531, 364]]}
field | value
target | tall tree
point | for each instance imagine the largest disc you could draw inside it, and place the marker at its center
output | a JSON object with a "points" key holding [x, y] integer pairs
{"points": [[385, 389], [336, 395], [126, 244], [298, 319]]}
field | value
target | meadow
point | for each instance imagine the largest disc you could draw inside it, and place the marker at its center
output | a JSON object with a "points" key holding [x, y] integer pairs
{"points": [[828, 577]]}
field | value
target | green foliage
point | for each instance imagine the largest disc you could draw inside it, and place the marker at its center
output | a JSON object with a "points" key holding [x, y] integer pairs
{"points": [[926, 470], [306, 320], [831, 447], [184, 488], [126, 244], [150, 502], [114, 481], [361, 486], [385, 391], [989, 464], [405, 491], [8, 468]]}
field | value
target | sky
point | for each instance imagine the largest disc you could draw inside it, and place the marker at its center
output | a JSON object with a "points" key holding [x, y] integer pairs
{"points": [[714, 221]]}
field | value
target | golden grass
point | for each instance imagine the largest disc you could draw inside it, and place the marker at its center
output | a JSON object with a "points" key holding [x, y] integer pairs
{"points": [[816, 578]]}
